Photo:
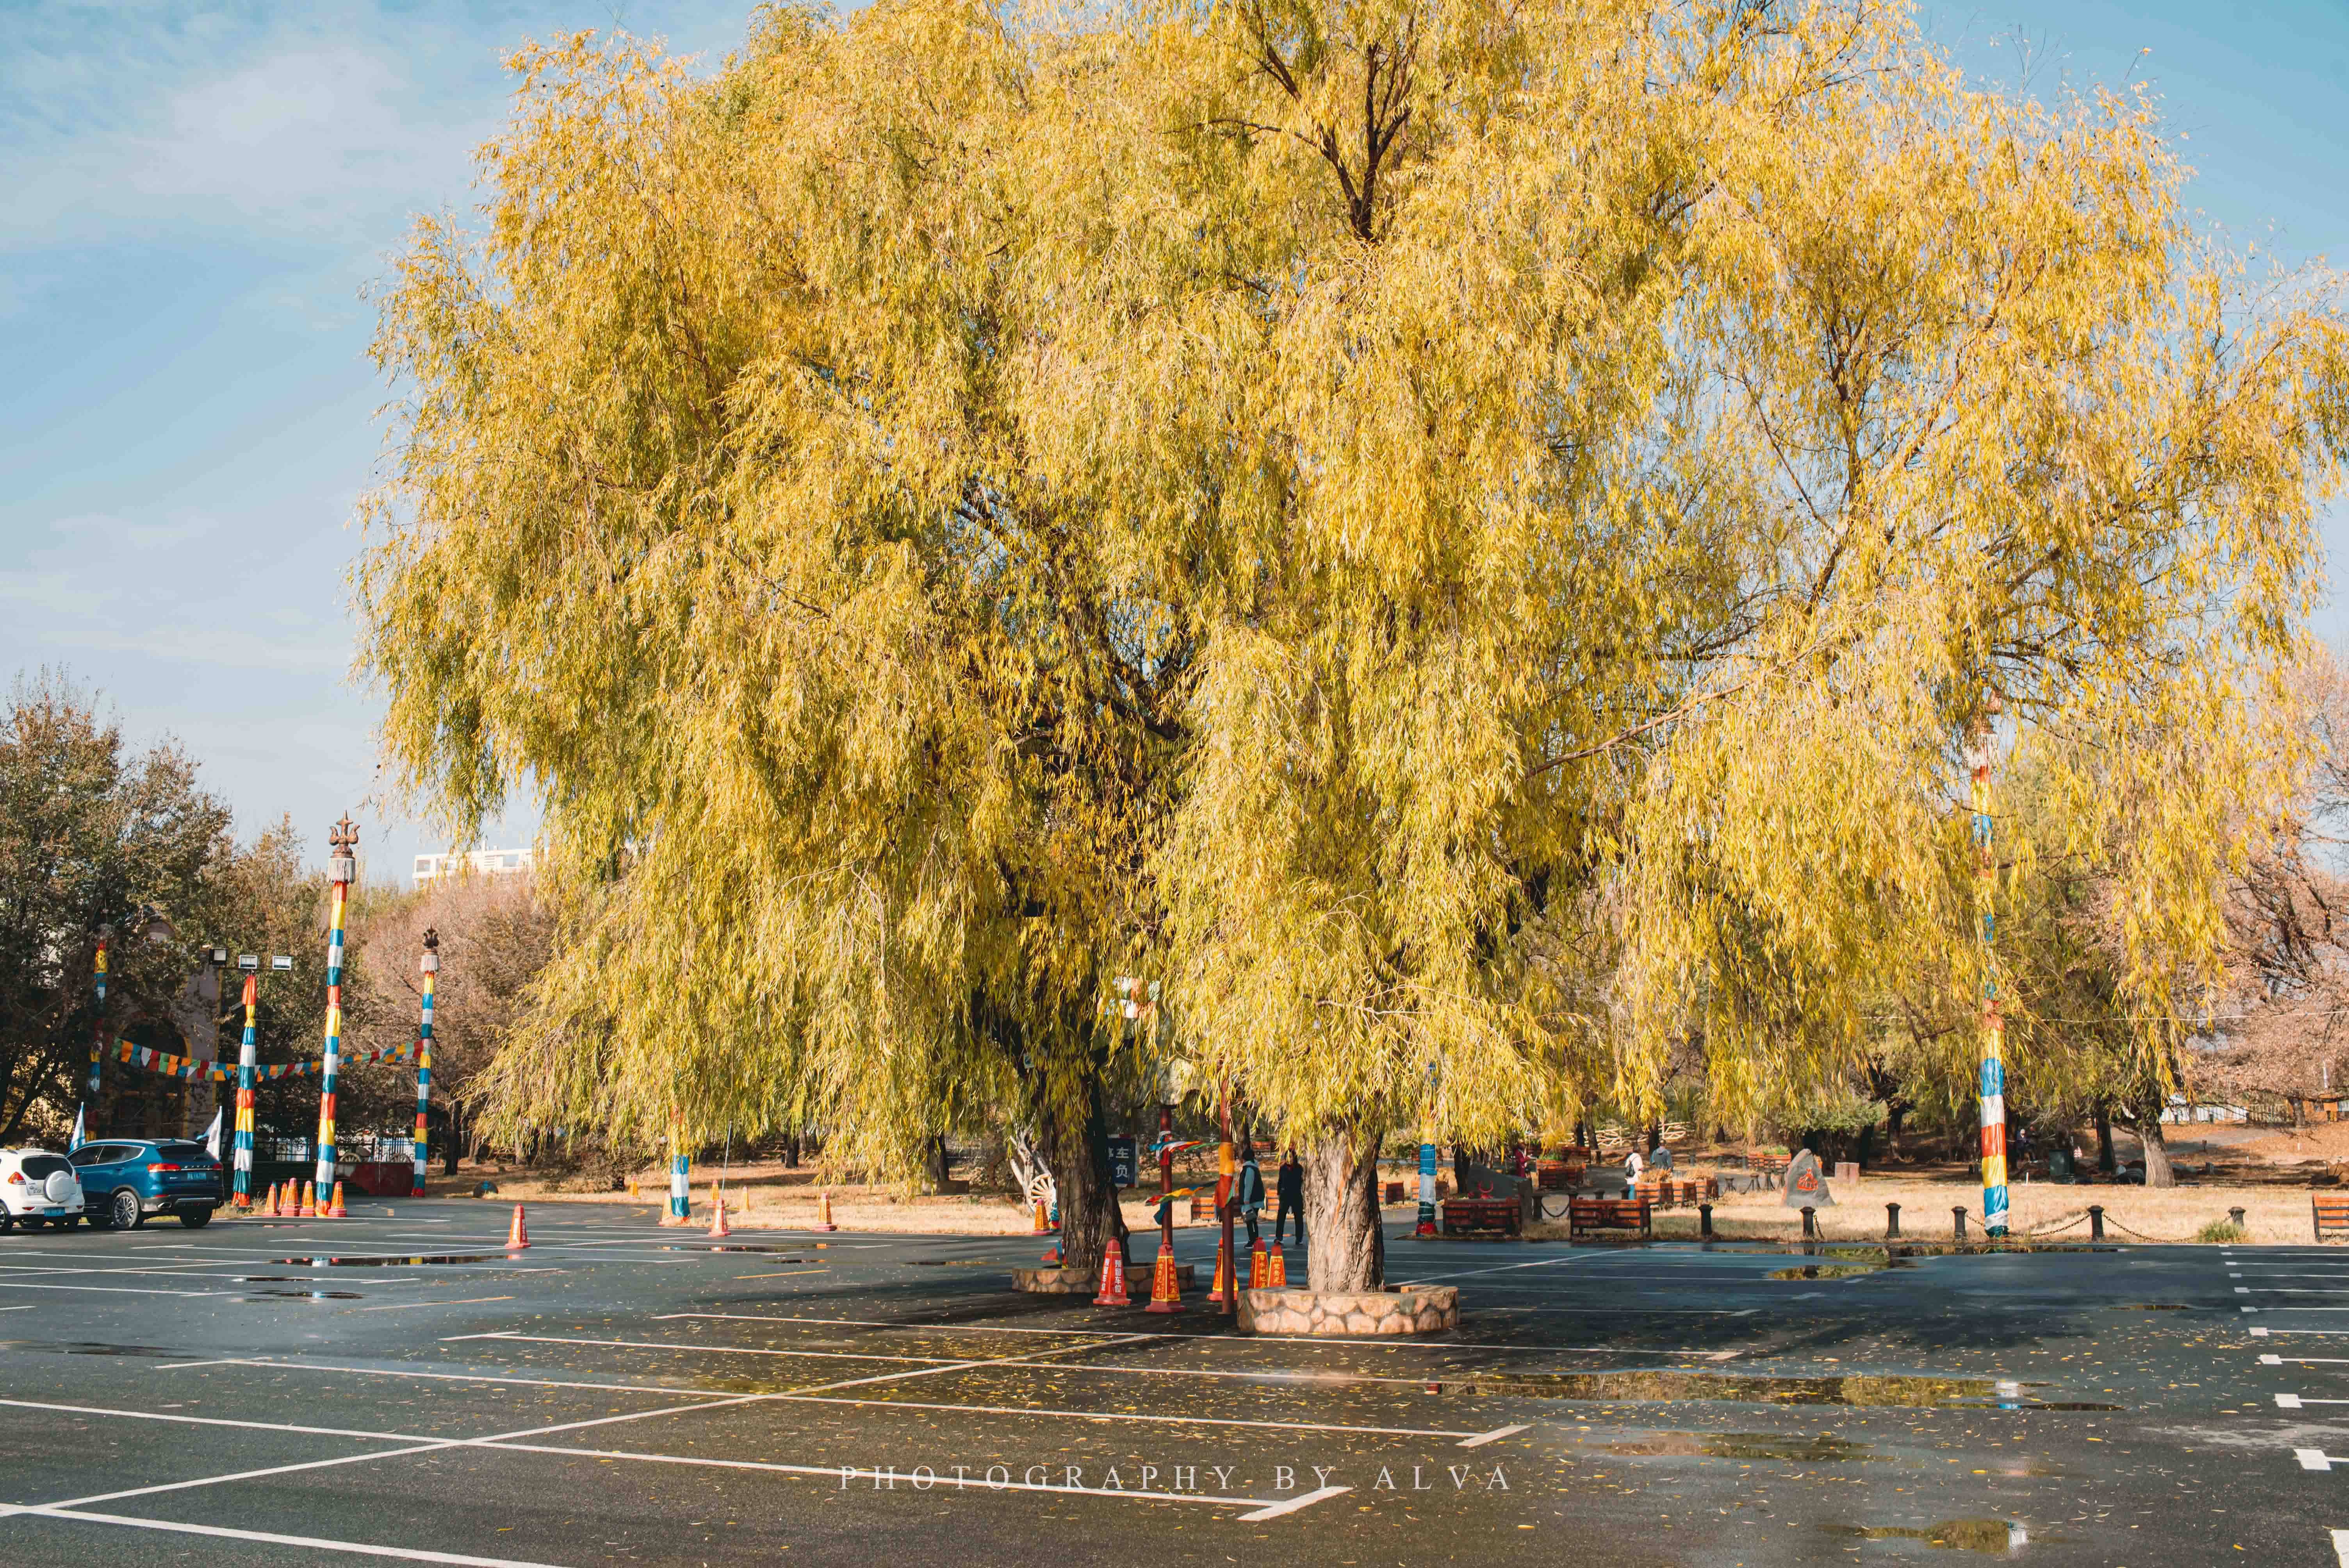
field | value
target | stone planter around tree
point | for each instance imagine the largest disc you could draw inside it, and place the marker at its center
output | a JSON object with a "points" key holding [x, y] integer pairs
{"points": [[1362, 1315]]}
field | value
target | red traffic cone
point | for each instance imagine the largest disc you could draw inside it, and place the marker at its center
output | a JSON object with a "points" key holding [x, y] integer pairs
{"points": [[336, 1210], [518, 1236], [270, 1205], [1223, 1271], [309, 1208], [1165, 1284], [717, 1212], [1113, 1276], [1256, 1265], [824, 1212], [1277, 1279]]}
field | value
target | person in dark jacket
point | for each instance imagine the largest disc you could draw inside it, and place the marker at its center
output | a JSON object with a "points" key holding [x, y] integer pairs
{"points": [[1249, 1196], [1289, 1187]]}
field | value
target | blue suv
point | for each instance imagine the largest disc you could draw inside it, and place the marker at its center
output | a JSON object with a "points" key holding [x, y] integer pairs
{"points": [[125, 1179]]}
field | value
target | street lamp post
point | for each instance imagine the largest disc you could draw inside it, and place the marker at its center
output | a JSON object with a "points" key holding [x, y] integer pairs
{"points": [[341, 870], [431, 965]]}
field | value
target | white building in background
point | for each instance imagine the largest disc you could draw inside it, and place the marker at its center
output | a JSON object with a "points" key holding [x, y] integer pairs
{"points": [[480, 862]]}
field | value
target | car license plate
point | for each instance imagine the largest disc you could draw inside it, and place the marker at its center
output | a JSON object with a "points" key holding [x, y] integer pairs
{"points": [[52, 1212]]}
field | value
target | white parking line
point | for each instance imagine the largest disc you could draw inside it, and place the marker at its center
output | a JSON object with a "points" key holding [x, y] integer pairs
{"points": [[2340, 1547], [460, 1301], [509, 1335], [104, 1289], [324, 1543], [1512, 1268], [1324, 1341], [1473, 1440], [466, 1378]]}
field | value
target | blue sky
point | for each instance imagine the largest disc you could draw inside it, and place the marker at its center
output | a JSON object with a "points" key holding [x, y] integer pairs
{"points": [[198, 196]]}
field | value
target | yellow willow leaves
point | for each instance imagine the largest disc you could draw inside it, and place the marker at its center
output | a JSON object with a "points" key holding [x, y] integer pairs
{"points": [[1455, 534]]}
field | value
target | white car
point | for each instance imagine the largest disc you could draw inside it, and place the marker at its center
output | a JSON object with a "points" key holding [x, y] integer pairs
{"points": [[38, 1187]]}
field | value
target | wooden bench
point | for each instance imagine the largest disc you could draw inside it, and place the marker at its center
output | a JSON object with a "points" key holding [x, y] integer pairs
{"points": [[1558, 1175], [2331, 1214], [1588, 1217], [1653, 1187], [1482, 1216], [1394, 1192]]}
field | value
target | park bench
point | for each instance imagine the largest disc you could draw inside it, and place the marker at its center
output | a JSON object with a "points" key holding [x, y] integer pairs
{"points": [[1482, 1216], [1653, 1187], [1588, 1217], [1769, 1167], [1558, 1175], [1394, 1192], [2331, 1214]]}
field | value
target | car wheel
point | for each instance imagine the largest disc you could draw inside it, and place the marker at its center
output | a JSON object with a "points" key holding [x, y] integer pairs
{"points": [[8, 1222], [125, 1212], [196, 1219]]}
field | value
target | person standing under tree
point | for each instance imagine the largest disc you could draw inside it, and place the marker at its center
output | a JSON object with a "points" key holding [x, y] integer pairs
{"points": [[1251, 1196], [1288, 1188]]}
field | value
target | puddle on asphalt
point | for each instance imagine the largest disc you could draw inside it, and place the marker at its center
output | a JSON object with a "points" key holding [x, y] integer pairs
{"points": [[1836, 1271], [2153, 1307], [392, 1263], [1860, 1389], [1821, 1449], [958, 1263], [91, 1347], [303, 1294], [1991, 1537]]}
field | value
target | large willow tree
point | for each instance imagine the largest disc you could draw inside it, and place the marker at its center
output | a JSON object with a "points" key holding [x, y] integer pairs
{"points": [[1465, 540]]}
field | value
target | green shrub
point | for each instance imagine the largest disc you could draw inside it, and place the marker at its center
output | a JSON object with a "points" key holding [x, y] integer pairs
{"points": [[2222, 1231]]}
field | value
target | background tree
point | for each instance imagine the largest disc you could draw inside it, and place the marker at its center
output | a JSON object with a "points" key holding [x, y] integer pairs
{"points": [[91, 833], [496, 935]]}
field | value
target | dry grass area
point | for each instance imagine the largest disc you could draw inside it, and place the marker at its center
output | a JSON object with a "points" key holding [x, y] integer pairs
{"points": [[769, 1197]]}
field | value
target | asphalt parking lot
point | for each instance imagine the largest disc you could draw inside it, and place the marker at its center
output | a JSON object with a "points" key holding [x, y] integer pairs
{"points": [[398, 1385]]}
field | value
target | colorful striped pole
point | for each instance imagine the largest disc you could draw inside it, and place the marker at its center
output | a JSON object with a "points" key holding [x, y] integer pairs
{"points": [[430, 964], [679, 1200], [1993, 1030], [247, 1055], [342, 869], [1427, 1161], [98, 1027]]}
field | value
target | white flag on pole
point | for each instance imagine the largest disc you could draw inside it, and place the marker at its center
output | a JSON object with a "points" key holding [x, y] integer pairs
{"points": [[212, 1136]]}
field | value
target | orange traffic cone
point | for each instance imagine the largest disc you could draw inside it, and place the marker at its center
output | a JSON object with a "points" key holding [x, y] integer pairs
{"points": [[336, 1210], [1113, 1276], [824, 1212], [717, 1212], [1256, 1265], [1222, 1270], [270, 1205], [1165, 1284], [518, 1236], [1278, 1277], [309, 1208], [1042, 1227]]}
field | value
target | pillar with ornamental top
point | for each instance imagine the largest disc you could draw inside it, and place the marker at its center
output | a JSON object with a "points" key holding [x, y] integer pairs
{"points": [[341, 870]]}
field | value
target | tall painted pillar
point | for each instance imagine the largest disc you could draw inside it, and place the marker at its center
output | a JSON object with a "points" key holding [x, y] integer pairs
{"points": [[430, 964], [680, 1198], [248, 1058], [1426, 1226], [341, 870], [1993, 1028], [98, 1025]]}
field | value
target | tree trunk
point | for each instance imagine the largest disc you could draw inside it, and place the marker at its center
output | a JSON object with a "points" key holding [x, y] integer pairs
{"points": [[2105, 1160], [1347, 1250], [2158, 1171], [1078, 1153]]}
